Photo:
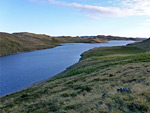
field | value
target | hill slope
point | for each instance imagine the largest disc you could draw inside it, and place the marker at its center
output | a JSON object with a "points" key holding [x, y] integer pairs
{"points": [[20, 42], [144, 45], [14, 43], [91, 85]]}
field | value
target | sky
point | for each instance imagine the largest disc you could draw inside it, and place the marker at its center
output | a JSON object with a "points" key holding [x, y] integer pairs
{"points": [[128, 18]]}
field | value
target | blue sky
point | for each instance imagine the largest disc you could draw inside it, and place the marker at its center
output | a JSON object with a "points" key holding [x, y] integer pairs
{"points": [[129, 18]]}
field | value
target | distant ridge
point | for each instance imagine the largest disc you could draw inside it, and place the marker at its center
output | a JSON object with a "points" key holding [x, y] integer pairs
{"points": [[109, 37], [24, 41], [102, 37]]}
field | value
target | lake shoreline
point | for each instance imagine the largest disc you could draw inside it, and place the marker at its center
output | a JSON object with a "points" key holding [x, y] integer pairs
{"points": [[93, 80], [44, 49], [29, 51], [54, 76], [26, 42]]}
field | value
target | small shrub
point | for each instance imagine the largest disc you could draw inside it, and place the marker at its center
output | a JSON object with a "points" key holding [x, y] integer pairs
{"points": [[83, 88], [65, 95], [73, 106], [137, 107]]}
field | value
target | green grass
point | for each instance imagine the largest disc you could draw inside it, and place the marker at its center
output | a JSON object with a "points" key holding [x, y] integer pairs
{"points": [[91, 85], [104, 51]]}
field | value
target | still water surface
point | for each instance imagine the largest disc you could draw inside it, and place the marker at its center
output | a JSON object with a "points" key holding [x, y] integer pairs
{"points": [[22, 70]]}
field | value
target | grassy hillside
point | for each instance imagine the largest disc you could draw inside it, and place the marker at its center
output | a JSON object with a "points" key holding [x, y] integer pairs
{"points": [[91, 85], [14, 43], [20, 42], [144, 45]]}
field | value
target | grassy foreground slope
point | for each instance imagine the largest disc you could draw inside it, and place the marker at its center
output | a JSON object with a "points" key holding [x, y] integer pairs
{"points": [[90, 85], [20, 42]]}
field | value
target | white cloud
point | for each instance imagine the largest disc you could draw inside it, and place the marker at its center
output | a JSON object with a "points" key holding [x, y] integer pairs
{"points": [[123, 8], [141, 7], [96, 10], [146, 22]]}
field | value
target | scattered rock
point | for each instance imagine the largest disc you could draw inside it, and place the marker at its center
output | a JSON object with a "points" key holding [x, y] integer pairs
{"points": [[124, 90]]}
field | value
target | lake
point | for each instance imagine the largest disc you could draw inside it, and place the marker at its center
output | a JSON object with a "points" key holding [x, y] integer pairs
{"points": [[21, 70]]}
